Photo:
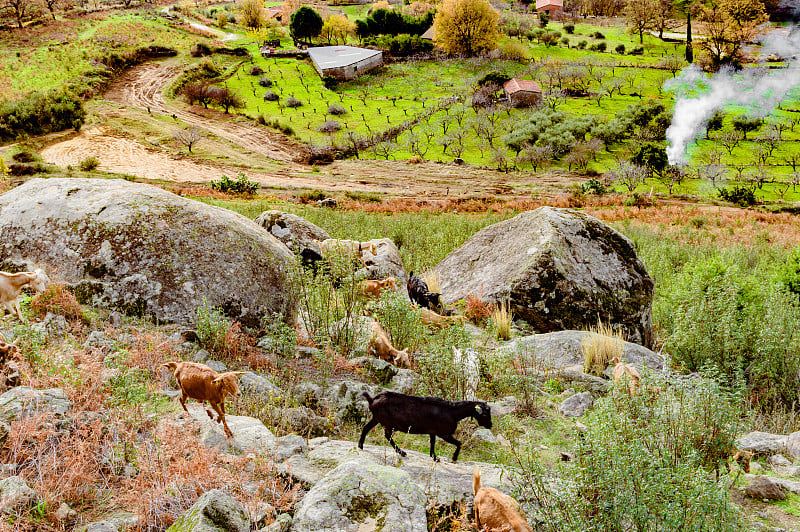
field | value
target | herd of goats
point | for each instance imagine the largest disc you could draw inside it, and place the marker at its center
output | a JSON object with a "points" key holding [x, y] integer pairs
{"points": [[393, 411]]}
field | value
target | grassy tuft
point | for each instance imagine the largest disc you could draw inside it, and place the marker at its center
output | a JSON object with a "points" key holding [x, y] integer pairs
{"points": [[602, 344]]}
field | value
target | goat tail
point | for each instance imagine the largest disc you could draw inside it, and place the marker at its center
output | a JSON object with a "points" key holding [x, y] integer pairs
{"points": [[368, 397], [476, 480]]}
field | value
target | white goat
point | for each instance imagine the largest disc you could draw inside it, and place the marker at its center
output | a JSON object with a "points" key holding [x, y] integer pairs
{"points": [[11, 285]]}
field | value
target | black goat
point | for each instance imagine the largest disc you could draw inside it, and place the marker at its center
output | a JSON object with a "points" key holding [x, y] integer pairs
{"points": [[419, 293], [312, 259], [422, 415]]}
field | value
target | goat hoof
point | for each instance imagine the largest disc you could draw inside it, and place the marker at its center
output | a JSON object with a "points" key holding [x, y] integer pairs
{"points": [[402, 453], [435, 458]]}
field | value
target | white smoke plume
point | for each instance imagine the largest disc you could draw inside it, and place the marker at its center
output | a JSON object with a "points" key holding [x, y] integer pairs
{"points": [[761, 90]]}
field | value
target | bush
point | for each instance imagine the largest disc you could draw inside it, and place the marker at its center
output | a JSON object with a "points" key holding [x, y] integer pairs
{"points": [[336, 109], [293, 102], [514, 50], [39, 113], [200, 50], [212, 326], [637, 50], [399, 319], [265, 82], [494, 77], [58, 300], [89, 163], [240, 185], [271, 96], [569, 27], [741, 196], [597, 35], [404, 45], [644, 462], [255, 70], [598, 47], [330, 82], [593, 186], [23, 157], [582, 45], [620, 49], [330, 126], [565, 41]]}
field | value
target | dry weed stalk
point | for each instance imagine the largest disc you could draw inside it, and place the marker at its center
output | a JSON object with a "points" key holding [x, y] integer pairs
{"points": [[476, 310], [602, 344], [502, 318], [433, 281]]}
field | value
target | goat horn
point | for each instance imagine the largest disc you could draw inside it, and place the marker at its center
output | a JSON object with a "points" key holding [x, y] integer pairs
{"points": [[478, 409]]}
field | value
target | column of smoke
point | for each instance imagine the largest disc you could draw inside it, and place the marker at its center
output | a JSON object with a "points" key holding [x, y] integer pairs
{"points": [[761, 90]]}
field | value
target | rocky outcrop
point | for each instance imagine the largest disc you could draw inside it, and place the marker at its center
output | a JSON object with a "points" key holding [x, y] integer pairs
{"points": [[249, 434], [214, 511], [576, 405], [442, 482], [16, 495], [23, 401], [559, 268], [564, 349], [295, 232], [360, 495], [386, 262], [763, 443], [142, 250], [763, 487]]}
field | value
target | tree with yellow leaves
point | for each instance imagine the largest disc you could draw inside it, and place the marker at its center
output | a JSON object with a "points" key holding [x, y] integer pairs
{"points": [[466, 26], [336, 29], [728, 25], [252, 13]]}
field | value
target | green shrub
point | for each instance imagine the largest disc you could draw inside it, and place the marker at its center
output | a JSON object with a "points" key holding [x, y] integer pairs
{"points": [[569, 27], [440, 375], [598, 47], [593, 186], [240, 185], [740, 195], [211, 325], [644, 463], [637, 50], [514, 50], [620, 49], [39, 113], [293, 102], [493, 77], [582, 45], [89, 163], [271, 96], [265, 81], [336, 109], [399, 319]]}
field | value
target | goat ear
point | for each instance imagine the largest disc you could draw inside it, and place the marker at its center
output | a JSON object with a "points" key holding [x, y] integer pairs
{"points": [[217, 380]]}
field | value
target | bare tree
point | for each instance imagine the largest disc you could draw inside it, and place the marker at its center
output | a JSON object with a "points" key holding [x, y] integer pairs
{"points": [[19, 10], [730, 139], [537, 156], [385, 148], [628, 175], [187, 137]]}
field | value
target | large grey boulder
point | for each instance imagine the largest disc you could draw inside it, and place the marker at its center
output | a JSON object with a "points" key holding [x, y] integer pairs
{"points": [[562, 350], [763, 443], [442, 482], [249, 434], [576, 405], [763, 487], [214, 511], [23, 401], [16, 495], [254, 384], [559, 268], [145, 251], [361, 496], [295, 232], [386, 262]]}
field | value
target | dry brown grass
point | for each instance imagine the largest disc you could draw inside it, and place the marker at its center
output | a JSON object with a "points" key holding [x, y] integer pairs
{"points": [[476, 310], [58, 300], [433, 281], [602, 344]]}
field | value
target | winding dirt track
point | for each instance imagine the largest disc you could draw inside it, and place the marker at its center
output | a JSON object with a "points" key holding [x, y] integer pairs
{"points": [[142, 85]]}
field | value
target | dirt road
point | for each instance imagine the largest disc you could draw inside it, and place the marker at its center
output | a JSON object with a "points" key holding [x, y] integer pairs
{"points": [[141, 87]]}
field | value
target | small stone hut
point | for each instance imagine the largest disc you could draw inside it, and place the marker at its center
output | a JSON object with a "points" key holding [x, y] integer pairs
{"points": [[344, 62], [523, 92], [554, 8]]}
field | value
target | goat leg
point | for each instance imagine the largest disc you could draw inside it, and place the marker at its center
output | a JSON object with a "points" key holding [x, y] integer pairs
{"points": [[450, 439], [368, 427], [388, 434], [433, 448], [184, 397]]}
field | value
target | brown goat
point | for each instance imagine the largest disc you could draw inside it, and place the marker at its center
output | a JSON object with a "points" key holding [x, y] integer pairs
{"points": [[742, 458], [622, 371], [381, 347], [432, 319], [200, 382], [495, 510], [7, 350], [372, 289], [11, 285]]}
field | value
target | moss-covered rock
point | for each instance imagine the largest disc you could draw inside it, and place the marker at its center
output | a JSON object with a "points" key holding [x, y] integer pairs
{"points": [[560, 269], [144, 251], [361, 495], [214, 511]]}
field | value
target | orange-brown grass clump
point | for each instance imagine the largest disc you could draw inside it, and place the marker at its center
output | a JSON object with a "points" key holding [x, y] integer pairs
{"points": [[88, 465], [239, 346], [476, 310], [58, 300], [150, 351]]}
